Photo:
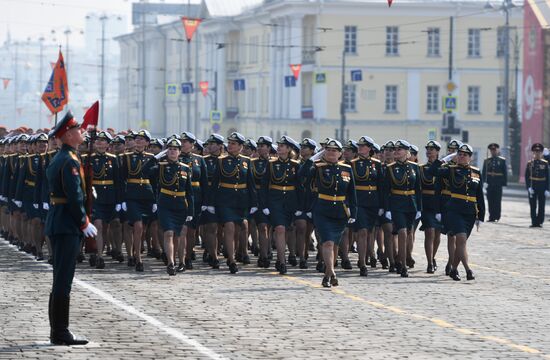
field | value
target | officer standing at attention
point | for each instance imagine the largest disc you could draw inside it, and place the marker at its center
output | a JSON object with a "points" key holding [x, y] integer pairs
{"points": [[495, 176], [65, 223], [536, 179]]}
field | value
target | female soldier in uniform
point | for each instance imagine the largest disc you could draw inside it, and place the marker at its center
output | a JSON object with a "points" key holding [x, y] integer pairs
{"points": [[334, 205], [466, 205], [403, 199], [390, 243], [174, 198], [280, 195]]}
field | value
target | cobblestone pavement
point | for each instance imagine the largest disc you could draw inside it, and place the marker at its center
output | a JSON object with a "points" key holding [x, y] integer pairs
{"points": [[203, 313]]}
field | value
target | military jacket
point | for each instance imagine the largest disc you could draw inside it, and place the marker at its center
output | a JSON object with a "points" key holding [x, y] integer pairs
{"points": [[402, 187], [105, 177], [281, 187], [537, 175], [233, 183], [334, 190], [67, 189], [431, 189], [41, 190], [10, 176], [466, 187], [494, 171], [137, 186], [258, 167], [368, 176], [26, 184], [174, 179], [199, 178]]}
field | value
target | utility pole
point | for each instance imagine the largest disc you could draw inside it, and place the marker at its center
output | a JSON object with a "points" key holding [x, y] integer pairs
{"points": [[15, 68], [103, 19], [67, 32], [143, 74], [40, 77], [342, 103]]}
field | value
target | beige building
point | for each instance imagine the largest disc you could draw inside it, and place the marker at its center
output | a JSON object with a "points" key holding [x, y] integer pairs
{"points": [[402, 54]]}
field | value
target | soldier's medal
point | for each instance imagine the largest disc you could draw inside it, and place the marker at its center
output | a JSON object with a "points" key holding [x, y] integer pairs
{"points": [[76, 172], [245, 165]]}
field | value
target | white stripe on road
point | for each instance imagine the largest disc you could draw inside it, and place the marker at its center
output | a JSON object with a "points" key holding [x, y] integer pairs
{"points": [[133, 311]]}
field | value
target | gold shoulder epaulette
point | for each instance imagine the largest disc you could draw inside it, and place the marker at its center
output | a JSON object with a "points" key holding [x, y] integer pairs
{"points": [[320, 163], [110, 155], [342, 163], [391, 164], [544, 161], [412, 162], [474, 168], [502, 157], [163, 162], [295, 161], [245, 157]]}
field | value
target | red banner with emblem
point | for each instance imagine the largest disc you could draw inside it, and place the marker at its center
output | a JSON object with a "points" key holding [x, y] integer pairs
{"points": [[6, 82], [296, 68], [190, 25], [203, 85], [56, 94]]}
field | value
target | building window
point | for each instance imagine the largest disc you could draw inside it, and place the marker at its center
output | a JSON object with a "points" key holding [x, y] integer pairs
{"points": [[501, 43], [432, 99], [433, 42], [392, 41], [349, 98], [501, 102], [391, 98], [350, 39], [252, 100], [474, 42], [473, 99], [253, 52]]}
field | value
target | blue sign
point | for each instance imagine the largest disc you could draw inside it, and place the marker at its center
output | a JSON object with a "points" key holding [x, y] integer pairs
{"points": [[216, 128], [320, 78], [186, 88], [239, 85], [450, 103], [290, 81], [356, 75]]}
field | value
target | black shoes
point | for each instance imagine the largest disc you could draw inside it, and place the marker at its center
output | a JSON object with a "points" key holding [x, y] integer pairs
{"points": [[100, 263], [448, 269], [292, 260], [434, 264], [410, 263], [282, 269], [346, 264], [59, 323], [246, 260], [215, 263], [363, 271], [303, 264], [320, 266], [333, 280], [430, 269], [181, 267], [404, 272], [373, 262], [454, 275], [326, 282], [80, 258], [392, 268], [171, 270], [139, 267], [132, 261], [233, 269], [93, 260], [188, 264], [398, 267], [470, 275]]}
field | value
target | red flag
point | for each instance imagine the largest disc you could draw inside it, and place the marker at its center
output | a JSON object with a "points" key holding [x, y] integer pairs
{"points": [[52, 64], [91, 116], [390, 2], [190, 26], [6, 82], [296, 70], [203, 85], [56, 94]]}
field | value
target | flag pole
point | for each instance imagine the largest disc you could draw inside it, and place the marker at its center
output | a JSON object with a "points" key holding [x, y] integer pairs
{"points": [[55, 119]]}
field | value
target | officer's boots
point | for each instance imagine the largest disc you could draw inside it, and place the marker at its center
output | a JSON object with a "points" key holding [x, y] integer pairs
{"points": [[59, 323]]}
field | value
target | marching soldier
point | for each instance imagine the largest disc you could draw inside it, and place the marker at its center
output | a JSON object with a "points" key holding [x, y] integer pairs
{"points": [[350, 153], [368, 176], [65, 224], [466, 206], [452, 147], [233, 193], [494, 175], [537, 177], [334, 205], [390, 240], [402, 199]]}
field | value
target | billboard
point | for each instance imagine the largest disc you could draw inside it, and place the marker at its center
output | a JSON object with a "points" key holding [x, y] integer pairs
{"points": [[533, 80]]}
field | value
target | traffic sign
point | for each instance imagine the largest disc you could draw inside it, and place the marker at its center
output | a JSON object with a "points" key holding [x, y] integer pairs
{"points": [[216, 128], [216, 117], [320, 78], [290, 81], [450, 103], [356, 75], [186, 88], [171, 89], [239, 85]]}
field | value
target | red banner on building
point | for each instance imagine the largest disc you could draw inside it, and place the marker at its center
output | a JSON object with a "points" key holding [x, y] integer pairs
{"points": [[56, 94], [6, 82], [190, 25], [533, 75], [203, 85], [296, 70]]}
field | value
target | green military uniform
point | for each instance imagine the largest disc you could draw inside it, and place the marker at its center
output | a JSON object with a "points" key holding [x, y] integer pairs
{"points": [[537, 177], [494, 174]]}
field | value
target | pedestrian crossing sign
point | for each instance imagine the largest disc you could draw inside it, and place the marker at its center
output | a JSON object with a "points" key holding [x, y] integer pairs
{"points": [[320, 78], [450, 103]]}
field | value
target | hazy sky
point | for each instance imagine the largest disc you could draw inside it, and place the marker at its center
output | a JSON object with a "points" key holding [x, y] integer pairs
{"points": [[32, 18]]}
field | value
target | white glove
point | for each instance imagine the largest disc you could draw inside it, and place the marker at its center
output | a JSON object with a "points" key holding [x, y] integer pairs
{"points": [[211, 209], [531, 191], [123, 206], [18, 203], [203, 208], [35, 206], [351, 220], [438, 217], [388, 215], [448, 157], [546, 152], [266, 211], [253, 210], [485, 186], [154, 209], [318, 156], [45, 206], [298, 213], [94, 193], [189, 218], [309, 215], [161, 154], [3, 198], [380, 212], [418, 215], [118, 207], [547, 193], [90, 230]]}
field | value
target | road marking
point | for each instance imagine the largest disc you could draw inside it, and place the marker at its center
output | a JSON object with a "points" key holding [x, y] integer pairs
{"points": [[133, 311], [436, 321]]}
